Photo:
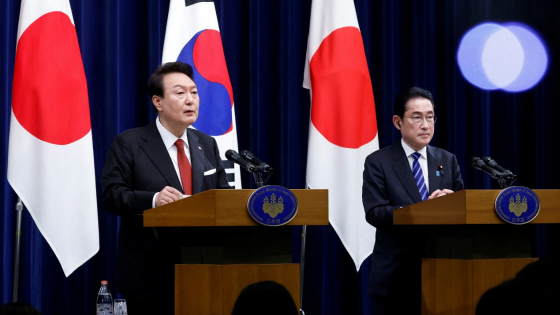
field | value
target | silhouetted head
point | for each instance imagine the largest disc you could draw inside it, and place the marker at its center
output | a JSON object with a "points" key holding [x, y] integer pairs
{"points": [[18, 308], [266, 297]]}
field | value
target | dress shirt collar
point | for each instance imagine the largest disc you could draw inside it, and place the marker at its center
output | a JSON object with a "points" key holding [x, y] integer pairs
{"points": [[408, 150], [169, 138]]}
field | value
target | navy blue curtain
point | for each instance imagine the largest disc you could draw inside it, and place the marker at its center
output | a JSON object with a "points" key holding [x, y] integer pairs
{"points": [[407, 43]]}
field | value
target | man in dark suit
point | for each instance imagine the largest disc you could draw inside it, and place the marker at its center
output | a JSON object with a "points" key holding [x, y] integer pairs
{"points": [[401, 174], [149, 167]]}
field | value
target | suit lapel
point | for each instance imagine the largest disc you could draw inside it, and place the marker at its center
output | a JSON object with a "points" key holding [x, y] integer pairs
{"points": [[158, 154], [197, 161], [404, 173], [433, 163]]}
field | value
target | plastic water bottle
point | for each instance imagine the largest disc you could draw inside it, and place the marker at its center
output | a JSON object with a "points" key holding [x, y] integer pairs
{"points": [[104, 300]]}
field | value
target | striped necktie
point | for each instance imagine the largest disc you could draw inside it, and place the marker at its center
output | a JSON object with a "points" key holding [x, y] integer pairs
{"points": [[419, 176]]}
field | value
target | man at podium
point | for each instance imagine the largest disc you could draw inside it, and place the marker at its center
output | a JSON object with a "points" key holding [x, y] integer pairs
{"points": [[401, 174], [152, 166]]}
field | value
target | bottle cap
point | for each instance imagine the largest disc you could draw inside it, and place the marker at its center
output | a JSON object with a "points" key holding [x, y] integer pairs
{"points": [[104, 282]]}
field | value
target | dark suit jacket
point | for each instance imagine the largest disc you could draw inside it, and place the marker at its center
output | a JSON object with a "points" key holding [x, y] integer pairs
{"points": [[137, 167], [388, 185]]}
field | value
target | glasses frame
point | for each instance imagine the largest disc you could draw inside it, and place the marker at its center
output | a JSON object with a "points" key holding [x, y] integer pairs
{"points": [[421, 119]]}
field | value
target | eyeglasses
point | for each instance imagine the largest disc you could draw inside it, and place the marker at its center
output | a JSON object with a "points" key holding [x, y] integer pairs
{"points": [[417, 119]]}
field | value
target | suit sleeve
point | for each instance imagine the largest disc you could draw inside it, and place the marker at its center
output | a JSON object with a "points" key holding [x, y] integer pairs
{"points": [[377, 205], [457, 180], [119, 195], [222, 182]]}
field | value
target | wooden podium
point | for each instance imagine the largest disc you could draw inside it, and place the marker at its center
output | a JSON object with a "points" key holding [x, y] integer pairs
{"points": [[213, 288], [470, 248]]}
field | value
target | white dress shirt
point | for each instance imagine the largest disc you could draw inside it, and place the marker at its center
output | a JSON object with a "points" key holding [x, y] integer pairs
{"points": [[169, 142]]}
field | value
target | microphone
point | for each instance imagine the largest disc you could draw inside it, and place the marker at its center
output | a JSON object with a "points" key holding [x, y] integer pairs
{"points": [[236, 158], [440, 169], [489, 161], [480, 165], [246, 154]]}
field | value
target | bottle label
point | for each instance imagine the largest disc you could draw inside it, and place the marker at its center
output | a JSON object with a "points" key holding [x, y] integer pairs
{"points": [[104, 309]]}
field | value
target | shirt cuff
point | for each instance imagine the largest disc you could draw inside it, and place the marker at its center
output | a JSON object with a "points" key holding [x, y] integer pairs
{"points": [[154, 200]]}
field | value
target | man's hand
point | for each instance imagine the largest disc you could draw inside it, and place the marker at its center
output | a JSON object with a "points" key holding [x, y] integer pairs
{"points": [[167, 195], [439, 193]]}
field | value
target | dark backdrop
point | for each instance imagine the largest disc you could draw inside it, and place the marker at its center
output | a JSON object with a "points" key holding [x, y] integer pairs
{"points": [[406, 42]]}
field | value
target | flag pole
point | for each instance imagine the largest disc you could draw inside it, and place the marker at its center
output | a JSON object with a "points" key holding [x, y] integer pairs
{"points": [[19, 210], [302, 269]]}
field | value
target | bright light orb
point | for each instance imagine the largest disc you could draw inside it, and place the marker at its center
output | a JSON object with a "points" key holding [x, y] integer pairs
{"points": [[502, 58], [509, 57], [535, 62]]}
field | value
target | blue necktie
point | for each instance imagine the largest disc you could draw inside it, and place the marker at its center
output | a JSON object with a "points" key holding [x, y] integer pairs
{"points": [[419, 176]]}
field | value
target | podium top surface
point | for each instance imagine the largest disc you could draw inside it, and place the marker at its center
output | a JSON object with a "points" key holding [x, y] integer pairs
{"points": [[228, 207], [472, 207]]}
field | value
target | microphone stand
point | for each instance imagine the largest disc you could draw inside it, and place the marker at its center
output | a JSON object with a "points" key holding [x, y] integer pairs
{"points": [[503, 183], [506, 181], [257, 176]]}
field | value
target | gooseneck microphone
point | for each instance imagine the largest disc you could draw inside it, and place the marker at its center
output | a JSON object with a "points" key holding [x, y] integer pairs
{"points": [[489, 161], [233, 156], [246, 154], [480, 165]]}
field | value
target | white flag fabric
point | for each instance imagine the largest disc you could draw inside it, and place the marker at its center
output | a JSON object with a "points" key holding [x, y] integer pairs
{"points": [[193, 36], [50, 157], [343, 127]]}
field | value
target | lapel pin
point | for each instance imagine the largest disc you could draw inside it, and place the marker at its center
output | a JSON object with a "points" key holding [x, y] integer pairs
{"points": [[199, 148]]}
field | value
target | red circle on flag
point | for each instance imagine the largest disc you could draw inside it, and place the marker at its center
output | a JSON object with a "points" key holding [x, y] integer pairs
{"points": [[50, 97], [343, 108]]}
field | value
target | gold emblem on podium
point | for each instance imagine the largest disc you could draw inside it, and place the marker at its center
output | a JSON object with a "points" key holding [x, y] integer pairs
{"points": [[273, 207], [518, 206]]}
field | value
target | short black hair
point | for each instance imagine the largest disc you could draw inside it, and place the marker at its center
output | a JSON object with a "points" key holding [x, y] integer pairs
{"points": [[18, 308], [265, 297], [155, 83], [406, 95]]}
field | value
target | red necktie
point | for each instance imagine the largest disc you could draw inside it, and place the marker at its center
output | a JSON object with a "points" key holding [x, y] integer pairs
{"points": [[184, 167]]}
